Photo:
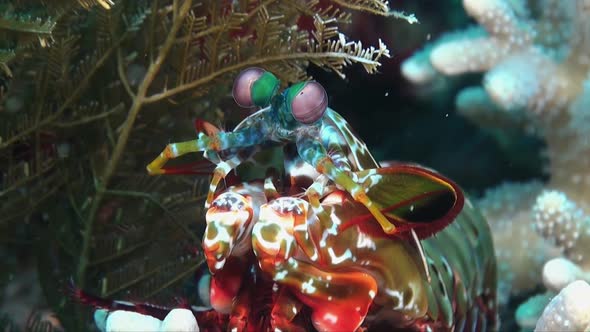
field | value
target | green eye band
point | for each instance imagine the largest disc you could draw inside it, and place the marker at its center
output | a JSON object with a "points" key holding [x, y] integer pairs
{"points": [[292, 92], [264, 89], [307, 102]]}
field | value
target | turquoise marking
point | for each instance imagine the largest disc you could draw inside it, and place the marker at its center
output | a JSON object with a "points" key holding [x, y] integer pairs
{"points": [[311, 150], [281, 114]]}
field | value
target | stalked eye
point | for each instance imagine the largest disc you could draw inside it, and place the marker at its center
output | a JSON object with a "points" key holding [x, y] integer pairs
{"points": [[242, 90], [254, 87], [310, 103]]}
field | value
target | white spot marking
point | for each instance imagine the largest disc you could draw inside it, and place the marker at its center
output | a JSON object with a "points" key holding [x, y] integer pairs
{"points": [[281, 275], [372, 294], [308, 287], [331, 317], [339, 259], [365, 241], [220, 264]]}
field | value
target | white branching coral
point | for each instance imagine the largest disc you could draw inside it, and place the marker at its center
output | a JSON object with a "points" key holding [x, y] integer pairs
{"points": [[535, 60], [180, 320], [568, 311], [559, 219], [177, 320], [520, 250], [560, 272], [539, 64]]}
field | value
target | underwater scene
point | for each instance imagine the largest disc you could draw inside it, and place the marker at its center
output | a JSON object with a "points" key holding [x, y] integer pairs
{"points": [[294, 165]]}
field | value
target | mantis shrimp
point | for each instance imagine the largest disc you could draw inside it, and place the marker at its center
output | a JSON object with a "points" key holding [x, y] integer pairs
{"points": [[299, 115], [357, 251], [292, 237], [276, 266], [344, 272]]}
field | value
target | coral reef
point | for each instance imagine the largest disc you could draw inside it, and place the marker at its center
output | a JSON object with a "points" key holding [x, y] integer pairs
{"points": [[569, 310], [536, 65], [178, 320], [90, 89]]}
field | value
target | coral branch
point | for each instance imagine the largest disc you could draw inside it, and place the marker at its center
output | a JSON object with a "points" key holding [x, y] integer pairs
{"points": [[559, 219], [568, 311]]}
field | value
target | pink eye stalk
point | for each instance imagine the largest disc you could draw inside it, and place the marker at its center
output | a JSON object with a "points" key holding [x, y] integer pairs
{"points": [[242, 90], [310, 104]]}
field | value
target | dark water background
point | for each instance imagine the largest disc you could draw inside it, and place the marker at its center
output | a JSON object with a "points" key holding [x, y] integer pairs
{"points": [[400, 121]]}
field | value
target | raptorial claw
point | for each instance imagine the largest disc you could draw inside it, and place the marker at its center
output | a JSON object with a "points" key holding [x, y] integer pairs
{"points": [[272, 236], [413, 197], [229, 221], [171, 151], [326, 256], [316, 155], [156, 166], [386, 225]]}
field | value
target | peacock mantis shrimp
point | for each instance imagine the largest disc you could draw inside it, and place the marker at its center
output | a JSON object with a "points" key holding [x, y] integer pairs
{"points": [[284, 270], [296, 240], [343, 271], [326, 261], [299, 115]]}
